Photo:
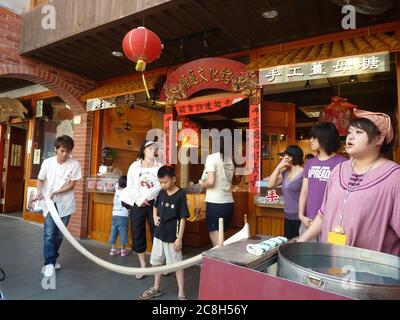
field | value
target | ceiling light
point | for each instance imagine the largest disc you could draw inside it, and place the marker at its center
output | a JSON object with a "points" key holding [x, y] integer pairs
{"points": [[313, 111], [241, 120], [353, 79], [117, 54], [270, 14]]}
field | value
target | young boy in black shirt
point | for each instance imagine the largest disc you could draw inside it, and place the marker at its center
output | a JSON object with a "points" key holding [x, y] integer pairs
{"points": [[170, 211]]}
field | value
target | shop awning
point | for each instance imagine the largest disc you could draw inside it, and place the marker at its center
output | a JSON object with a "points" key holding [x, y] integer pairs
{"points": [[120, 88], [210, 103], [350, 47]]}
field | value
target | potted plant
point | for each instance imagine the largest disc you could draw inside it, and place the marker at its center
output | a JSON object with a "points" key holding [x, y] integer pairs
{"points": [[108, 155]]}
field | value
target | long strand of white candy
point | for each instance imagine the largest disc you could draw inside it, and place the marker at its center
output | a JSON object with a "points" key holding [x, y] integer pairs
{"points": [[242, 234]]}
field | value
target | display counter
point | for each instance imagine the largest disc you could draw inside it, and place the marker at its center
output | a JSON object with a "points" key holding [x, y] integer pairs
{"points": [[196, 233], [270, 217], [230, 273]]}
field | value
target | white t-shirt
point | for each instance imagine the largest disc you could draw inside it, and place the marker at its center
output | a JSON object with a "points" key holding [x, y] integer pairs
{"points": [[118, 209], [142, 184], [56, 176], [222, 190], [148, 180]]}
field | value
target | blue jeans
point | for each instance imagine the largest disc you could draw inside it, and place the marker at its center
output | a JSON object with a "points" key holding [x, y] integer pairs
{"points": [[119, 225], [52, 239]]}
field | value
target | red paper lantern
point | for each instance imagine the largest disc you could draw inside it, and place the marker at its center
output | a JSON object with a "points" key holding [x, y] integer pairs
{"points": [[142, 46], [190, 133], [339, 112]]}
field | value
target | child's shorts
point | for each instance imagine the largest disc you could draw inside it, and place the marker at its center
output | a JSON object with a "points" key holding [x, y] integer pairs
{"points": [[164, 251]]}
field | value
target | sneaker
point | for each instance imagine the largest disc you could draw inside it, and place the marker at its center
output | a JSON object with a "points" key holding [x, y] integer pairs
{"points": [[124, 253], [49, 271], [114, 252], [57, 266]]}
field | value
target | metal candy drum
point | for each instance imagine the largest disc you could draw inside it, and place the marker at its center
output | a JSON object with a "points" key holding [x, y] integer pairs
{"points": [[348, 271]]}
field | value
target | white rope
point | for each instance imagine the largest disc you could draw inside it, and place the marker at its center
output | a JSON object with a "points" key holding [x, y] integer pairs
{"points": [[242, 234]]}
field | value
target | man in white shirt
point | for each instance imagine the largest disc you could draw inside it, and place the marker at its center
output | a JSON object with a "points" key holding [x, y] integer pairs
{"points": [[57, 179]]}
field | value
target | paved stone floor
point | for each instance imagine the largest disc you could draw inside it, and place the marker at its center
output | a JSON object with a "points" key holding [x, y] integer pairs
{"points": [[21, 257]]}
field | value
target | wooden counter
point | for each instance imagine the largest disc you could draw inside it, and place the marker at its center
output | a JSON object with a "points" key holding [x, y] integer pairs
{"points": [[101, 205], [270, 220], [196, 233]]}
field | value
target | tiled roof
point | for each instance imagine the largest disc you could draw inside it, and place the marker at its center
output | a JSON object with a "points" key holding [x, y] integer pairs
{"points": [[122, 87], [330, 50]]}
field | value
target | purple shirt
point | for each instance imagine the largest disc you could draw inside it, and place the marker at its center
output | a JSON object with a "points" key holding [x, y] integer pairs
{"points": [[318, 172], [371, 217], [291, 193]]}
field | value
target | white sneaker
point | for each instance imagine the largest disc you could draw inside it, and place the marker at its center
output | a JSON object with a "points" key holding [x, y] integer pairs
{"points": [[49, 271], [57, 266]]}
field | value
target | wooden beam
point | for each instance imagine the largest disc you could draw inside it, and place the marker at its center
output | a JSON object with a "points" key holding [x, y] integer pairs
{"points": [[83, 16]]}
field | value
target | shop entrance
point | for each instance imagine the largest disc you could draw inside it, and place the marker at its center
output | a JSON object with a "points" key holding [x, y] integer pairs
{"points": [[227, 119], [13, 146]]}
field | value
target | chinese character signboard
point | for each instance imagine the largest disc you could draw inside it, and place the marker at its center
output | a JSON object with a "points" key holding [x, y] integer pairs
{"points": [[168, 138], [255, 149], [108, 103], [345, 66], [184, 108], [208, 73]]}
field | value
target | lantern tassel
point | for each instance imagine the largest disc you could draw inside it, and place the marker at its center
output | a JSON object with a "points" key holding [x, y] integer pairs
{"points": [[145, 86]]}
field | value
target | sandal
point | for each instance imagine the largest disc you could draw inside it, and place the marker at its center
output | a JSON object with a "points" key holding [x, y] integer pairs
{"points": [[183, 298], [114, 252], [140, 276], [151, 293], [124, 253]]}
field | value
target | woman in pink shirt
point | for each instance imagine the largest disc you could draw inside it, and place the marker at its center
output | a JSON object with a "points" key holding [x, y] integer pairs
{"points": [[361, 205]]}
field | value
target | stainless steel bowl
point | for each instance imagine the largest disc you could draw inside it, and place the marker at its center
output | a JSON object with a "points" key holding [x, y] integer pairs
{"points": [[348, 271]]}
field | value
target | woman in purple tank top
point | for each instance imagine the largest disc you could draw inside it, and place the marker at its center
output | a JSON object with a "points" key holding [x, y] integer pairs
{"points": [[288, 174]]}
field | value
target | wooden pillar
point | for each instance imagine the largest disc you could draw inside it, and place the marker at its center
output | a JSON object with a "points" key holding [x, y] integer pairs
{"points": [[396, 146], [97, 138]]}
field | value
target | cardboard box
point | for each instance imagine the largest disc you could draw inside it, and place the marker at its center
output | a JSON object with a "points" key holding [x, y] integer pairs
{"points": [[196, 201]]}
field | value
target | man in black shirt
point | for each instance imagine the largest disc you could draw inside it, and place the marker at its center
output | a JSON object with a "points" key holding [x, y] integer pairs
{"points": [[170, 211]]}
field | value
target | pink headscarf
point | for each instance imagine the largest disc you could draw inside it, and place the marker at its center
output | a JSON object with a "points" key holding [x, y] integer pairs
{"points": [[381, 120]]}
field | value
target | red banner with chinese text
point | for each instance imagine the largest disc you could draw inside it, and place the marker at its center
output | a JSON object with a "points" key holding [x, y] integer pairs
{"points": [[255, 146], [168, 122], [185, 108]]}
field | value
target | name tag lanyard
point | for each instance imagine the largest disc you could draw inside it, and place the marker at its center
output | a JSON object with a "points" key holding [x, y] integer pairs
{"points": [[339, 228]]}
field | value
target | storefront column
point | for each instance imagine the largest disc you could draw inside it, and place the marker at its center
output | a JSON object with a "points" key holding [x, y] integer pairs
{"points": [[82, 137]]}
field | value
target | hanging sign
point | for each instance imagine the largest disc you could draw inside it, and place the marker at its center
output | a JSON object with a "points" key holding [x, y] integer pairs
{"points": [[208, 73], [108, 103], [345, 66]]}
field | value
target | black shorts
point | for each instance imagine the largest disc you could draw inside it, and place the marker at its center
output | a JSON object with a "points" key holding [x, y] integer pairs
{"points": [[215, 211]]}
